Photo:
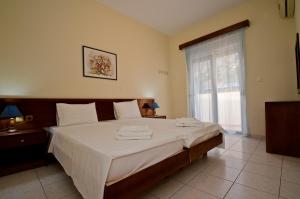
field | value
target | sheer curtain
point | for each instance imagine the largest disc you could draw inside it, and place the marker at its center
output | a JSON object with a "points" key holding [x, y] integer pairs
{"points": [[216, 77]]}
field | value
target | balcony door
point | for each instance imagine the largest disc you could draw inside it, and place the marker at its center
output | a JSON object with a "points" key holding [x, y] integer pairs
{"points": [[217, 81]]}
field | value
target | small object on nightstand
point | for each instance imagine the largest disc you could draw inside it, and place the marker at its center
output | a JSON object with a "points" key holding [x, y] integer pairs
{"points": [[157, 116], [154, 106], [23, 149], [11, 112]]}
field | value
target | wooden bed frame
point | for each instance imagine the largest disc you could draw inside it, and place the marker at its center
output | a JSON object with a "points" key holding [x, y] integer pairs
{"points": [[43, 111], [138, 183]]}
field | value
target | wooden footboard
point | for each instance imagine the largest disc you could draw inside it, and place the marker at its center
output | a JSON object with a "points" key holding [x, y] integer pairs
{"points": [[202, 148], [137, 183]]}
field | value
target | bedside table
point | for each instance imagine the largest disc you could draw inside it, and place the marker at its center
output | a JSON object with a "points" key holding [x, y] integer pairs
{"points": [[22, 150], [156, 116]]}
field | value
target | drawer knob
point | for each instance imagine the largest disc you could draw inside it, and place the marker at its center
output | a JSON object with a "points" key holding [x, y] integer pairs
{"points": [[22, 140]]}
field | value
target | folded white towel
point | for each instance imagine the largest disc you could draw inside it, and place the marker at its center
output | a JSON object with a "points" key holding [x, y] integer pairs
{"points": [[134, 128], [134, 132], [188, 122], [129, 133], [144, 137]]}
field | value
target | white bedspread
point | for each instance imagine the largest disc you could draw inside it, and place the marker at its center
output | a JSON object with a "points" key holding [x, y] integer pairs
{"points": [[191, 135], [92, 147]]}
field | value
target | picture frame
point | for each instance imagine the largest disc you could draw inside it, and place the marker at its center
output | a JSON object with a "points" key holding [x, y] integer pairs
{"points": [[99, 63]]}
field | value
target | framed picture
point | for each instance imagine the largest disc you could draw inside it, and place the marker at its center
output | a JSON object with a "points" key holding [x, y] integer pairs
{"points": [[99, 64]]}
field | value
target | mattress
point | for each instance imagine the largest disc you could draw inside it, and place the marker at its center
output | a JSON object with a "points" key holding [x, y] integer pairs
{"points": [[191, 135]]}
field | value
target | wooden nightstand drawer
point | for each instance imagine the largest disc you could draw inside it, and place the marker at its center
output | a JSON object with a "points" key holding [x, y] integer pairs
{"points": [[22, 140]]}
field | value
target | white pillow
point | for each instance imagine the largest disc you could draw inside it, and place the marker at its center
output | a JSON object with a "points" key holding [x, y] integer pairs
{"points": [[68, 114], [127, 110]]}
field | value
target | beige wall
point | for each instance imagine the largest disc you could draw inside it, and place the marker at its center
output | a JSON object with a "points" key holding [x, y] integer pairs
{"points": [[40, 51], [269, 56]]}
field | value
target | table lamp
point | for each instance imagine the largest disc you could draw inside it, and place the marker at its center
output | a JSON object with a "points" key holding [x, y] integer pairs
{"points": [[11, 112], [154, 106]]}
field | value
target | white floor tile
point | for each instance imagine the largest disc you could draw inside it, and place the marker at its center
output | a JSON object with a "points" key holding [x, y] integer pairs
{"points": [[291, 165], [191, 193], [237, 154], [266, 159], [293, 159], [59, 189], [166, 189], [259, 182], [216, 152], [185, 175], [231, 140], [289, 190], [51, 173], [24, 178], [265, 154], [33, 193], [250, 141], [23, 183], [202, 164], [210, 184], [242, 192], [261, 146], [267, 171], [246, 148], [223, 172], [291, 176], [232, 162]]}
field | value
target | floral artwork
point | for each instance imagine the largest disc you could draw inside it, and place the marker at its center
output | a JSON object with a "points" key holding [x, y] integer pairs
{"points": [[99, 64]]}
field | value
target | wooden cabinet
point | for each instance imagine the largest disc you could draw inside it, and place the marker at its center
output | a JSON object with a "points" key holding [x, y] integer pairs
{"points": [[23, 149], [283, 128]]}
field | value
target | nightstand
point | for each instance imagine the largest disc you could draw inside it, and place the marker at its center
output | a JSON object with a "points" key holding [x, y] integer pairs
{"points": [[156, 116], [22, 150]]}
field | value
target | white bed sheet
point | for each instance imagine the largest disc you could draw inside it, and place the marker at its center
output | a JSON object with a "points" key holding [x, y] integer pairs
{"points": [[191, 135], [125, 166], [93, 157]]}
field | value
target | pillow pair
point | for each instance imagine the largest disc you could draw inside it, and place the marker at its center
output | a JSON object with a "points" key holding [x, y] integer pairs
{"points": [[70, 114]]}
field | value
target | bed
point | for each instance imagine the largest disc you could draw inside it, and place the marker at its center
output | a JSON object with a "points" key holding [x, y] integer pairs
{"points": [[194, 140], [127, 182]]}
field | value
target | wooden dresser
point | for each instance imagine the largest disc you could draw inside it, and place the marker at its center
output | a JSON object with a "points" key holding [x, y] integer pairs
{"points": [[283, 128]]}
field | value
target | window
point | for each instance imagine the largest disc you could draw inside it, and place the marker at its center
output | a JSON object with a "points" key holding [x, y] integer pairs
{"points": [[216, 81]]}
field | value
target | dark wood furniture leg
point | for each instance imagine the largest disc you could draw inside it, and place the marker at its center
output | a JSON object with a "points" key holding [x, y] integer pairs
{"points": [[201, 149]]}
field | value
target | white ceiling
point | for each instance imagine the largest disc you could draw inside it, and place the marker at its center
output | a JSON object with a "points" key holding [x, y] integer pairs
{"points": [[169, 16]]}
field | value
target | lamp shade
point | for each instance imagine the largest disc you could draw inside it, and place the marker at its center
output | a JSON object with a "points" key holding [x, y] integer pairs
{"points": [[154, 105], [11, 111]]}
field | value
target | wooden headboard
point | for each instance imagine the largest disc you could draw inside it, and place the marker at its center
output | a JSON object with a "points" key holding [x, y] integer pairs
{"points": [[43, 110]]}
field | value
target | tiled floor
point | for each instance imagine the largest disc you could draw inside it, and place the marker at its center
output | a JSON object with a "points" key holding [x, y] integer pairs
{"points": [[243, 170]]}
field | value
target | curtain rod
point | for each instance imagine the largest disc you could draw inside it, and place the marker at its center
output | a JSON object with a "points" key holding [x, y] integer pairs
{"points": [[242, 24]]}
